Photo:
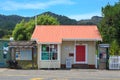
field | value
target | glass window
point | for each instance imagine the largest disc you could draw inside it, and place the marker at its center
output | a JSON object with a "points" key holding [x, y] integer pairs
{"points": [[49, 52]]}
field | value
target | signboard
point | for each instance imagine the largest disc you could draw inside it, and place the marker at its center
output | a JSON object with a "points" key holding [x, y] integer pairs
{"points": [[17, 56], [68, 62], [24, 55]]}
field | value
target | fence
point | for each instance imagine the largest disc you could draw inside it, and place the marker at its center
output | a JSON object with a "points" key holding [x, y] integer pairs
{"points": [[114, 62]]}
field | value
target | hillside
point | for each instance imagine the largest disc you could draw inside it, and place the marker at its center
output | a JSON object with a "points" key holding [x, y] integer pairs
{"points": [[7, 23], [93, 21], [67, 21], [62, 19]]}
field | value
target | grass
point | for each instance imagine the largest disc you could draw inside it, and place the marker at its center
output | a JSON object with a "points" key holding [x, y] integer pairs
{"points": [[26, 64]]}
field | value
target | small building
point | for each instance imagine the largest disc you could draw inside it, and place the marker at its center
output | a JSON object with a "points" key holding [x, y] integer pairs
{"points": [[57, 43]]}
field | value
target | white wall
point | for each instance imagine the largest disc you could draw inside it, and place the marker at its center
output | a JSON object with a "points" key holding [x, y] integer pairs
{"points": [[69, 47]]}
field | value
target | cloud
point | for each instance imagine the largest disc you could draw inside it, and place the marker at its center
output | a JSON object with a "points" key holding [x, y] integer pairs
{"points": [[12, 5], [84, 16]]}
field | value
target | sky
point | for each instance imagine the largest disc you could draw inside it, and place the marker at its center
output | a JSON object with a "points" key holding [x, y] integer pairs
{"points": [[74, 9]]}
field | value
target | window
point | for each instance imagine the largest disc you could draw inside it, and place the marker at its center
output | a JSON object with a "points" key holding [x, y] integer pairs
{"points": [[49, 52]]}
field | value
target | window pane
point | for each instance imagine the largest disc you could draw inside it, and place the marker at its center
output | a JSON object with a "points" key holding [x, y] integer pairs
{"points": [[53, 51], [49, 52], [44, 48], [45, 56], [54, 56]]}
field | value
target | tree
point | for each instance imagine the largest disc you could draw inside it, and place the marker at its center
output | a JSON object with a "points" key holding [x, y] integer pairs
{"points": [[110, 27], [24, 30], [110, 24], [46, 20], [19, 33], [114, 49], [2, 33]]}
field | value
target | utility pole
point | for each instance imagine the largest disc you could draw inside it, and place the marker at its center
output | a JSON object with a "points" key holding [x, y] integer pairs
{"points": [[36, 20]]}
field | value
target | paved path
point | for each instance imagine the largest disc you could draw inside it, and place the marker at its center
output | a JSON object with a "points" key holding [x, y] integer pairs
{"points": [[3, 69], [73, 74]]}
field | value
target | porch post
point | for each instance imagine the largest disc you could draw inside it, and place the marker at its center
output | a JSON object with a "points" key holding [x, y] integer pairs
{"points": [[75, 52], [32, 57], [59, 54], [38, 55]]}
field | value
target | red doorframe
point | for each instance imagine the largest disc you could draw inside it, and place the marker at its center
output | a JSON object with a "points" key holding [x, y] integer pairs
{"points": [[80, 53]]}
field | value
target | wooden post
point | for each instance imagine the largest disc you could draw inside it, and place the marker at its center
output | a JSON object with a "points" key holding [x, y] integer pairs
{"points": [[32, 57]]}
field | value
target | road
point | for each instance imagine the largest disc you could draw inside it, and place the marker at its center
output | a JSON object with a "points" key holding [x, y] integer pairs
{"points": [[73, 74]]}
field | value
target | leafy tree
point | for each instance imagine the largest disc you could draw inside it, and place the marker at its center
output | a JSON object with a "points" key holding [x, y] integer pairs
{"points": [[1, 33], [114, 49], [46, 20], [24, 30], [110, 26], [19, 32], [30, 28]]}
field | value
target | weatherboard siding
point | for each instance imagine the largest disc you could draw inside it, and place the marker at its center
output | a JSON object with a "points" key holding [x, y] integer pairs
{"points": [[69, 47], [63, 52]]}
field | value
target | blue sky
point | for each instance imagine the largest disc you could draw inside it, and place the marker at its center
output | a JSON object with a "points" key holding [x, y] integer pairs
{"points": [[75, 9]]}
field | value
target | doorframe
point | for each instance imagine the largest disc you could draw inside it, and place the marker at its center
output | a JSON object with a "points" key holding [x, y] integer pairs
{"points": [[86, 54]]}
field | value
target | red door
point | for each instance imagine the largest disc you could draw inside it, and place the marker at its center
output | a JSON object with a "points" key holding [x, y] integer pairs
{"points": [[80, 53]]}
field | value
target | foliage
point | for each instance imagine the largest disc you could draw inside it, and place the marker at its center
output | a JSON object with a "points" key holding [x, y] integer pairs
{"points": [[110, 26], [7, 24], [46, 20], [19, 32], [1, 33], [24, 30], [5, 33], [114, 49]]}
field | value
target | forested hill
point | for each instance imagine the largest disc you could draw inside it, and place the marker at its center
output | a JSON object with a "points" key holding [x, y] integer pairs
{"points": [[7, 23], [63, 20], [67, 21], [94, 20]]}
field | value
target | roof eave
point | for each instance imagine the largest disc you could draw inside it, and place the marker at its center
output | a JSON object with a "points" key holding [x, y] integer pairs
{"points": [[69, 39]]}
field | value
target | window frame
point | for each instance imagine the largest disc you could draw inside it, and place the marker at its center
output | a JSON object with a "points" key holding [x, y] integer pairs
{"points": [[50, 53]]}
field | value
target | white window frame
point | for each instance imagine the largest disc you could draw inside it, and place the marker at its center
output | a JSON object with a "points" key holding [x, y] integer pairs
{"points": [[49, 52]]}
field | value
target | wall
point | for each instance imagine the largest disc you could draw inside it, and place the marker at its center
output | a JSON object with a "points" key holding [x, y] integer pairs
{"points": [[69, 47], [63, 52], [66, 48]]}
